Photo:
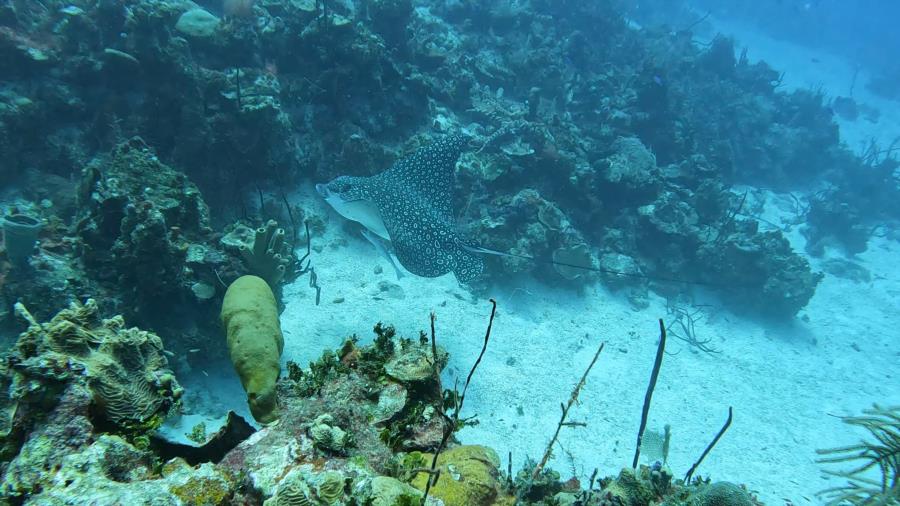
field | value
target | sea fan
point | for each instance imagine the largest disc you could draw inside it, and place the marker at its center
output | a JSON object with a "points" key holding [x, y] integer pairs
{"points": [[882, 454]]}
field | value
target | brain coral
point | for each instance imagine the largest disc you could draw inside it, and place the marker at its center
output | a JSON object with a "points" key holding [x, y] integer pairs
{"points": [[125, 368]]}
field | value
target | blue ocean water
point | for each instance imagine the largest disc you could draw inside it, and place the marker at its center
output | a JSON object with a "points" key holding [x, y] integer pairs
{"points": [[724, 171]]}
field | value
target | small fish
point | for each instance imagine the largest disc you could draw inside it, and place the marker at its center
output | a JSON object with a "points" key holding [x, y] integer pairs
{"points": [[193, 350], [382, 250], [72, 10], [169, 353]]}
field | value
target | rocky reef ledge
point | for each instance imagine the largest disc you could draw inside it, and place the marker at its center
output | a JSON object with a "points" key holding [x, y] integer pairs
{"points": [[84, 398]]}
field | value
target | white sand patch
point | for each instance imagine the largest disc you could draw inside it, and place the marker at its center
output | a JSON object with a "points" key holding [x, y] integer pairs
{"points": [[784, 381], [210, 393]]}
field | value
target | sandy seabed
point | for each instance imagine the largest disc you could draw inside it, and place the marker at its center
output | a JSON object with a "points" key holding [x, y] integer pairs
{"points": [[786, 383]]}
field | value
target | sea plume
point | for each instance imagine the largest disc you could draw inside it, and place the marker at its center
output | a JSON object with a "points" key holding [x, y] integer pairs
{"points": [[881, 456]]}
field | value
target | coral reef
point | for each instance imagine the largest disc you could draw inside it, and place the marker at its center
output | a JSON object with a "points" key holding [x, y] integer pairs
{"points": [[138, 224], [111, 471], [355, 428], [530, 226], [599, 144], [76, 372], [337, 411], [280, 88], [763, 273]]}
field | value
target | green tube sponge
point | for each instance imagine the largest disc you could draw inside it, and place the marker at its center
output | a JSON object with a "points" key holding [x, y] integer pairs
{"points": [[250, 318]]}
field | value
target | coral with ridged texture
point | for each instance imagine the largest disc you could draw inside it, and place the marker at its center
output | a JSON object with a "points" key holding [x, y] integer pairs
{"points": [[126, 369]]}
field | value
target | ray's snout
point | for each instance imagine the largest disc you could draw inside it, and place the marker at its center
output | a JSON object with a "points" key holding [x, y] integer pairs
{"points": [[323, 190]]}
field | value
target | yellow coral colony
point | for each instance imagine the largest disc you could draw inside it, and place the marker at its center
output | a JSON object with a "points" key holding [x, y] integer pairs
{"points": [[250, 318]]}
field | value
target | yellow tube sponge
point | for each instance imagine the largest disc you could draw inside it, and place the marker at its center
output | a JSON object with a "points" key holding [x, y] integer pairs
{"points": [[250, 318]]}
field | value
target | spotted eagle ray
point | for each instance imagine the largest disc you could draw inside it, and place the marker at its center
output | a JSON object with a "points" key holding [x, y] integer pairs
{"points": [[410, 205]]}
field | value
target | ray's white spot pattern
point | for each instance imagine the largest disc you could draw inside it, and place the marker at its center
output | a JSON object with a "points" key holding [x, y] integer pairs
{"points": [[414, 198]]}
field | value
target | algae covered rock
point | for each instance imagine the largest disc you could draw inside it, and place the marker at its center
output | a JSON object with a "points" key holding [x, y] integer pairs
{"points": [[111, 471], [626, 490], [469, 477], [266, 457], [763, 272], [197, 23], [205, 484], [143, 234], [250, 317], [64, 429], [570, 258]]}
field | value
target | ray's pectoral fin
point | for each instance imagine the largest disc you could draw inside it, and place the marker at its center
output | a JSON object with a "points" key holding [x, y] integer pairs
{"points": [[467, 265], [424, 259], [419, 258]]}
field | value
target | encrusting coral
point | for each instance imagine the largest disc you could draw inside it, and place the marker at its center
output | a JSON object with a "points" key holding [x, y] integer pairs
{"points": [[253, 332], [469, 476]]}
